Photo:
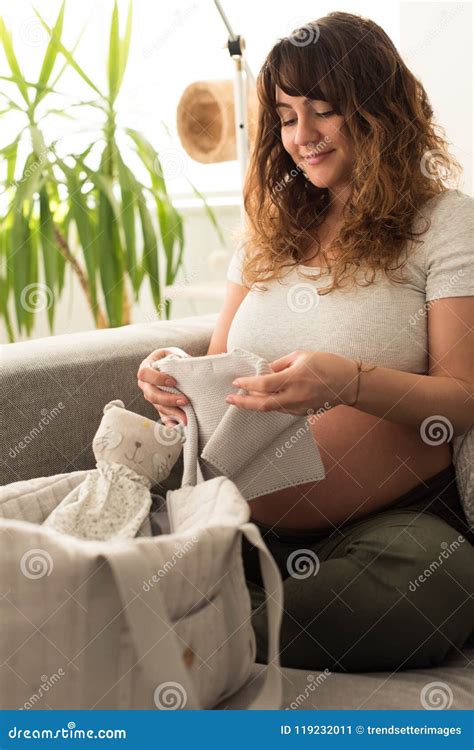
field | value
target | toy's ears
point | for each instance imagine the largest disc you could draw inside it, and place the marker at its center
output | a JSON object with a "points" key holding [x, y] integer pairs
{"points": [[117, 402]]}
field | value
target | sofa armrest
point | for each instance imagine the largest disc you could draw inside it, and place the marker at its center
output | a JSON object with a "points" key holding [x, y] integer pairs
{"points": [[54, 390]]}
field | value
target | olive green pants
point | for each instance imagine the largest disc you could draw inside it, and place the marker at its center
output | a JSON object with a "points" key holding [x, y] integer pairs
{"points": [[391, 591]]}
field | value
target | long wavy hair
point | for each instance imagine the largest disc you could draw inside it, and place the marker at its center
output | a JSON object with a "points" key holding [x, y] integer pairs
{"points": [[401, 157]]}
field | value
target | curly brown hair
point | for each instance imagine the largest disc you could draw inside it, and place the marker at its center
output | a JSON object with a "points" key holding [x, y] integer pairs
{"points": [[351, 63]]}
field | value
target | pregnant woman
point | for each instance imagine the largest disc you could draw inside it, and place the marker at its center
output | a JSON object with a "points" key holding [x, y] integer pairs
{"points": [[355, 281]]}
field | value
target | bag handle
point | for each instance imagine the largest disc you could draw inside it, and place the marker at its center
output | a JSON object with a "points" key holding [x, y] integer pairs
{"points": [[270, 695], [129, 566]]}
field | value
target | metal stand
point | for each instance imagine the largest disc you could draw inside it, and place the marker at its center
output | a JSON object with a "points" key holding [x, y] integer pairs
{"points": [[236, 47]]}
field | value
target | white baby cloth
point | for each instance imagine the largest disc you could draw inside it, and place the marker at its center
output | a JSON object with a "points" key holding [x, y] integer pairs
{"points": [[111, 503], [260, 451]]}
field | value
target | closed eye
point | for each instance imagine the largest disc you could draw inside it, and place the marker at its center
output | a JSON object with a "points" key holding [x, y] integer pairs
{"points": [[318, 114]]}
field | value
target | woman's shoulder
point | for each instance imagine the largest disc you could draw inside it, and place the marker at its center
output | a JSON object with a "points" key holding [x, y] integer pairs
{"points": [[445, 256], [453, 204], [446, 217], [234, 269]]}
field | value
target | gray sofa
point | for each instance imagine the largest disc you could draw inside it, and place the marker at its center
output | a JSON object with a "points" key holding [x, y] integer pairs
{"points": [[53, 393]]}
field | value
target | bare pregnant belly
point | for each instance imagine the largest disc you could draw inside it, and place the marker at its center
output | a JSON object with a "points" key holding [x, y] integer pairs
{"points": [[369, 463]]}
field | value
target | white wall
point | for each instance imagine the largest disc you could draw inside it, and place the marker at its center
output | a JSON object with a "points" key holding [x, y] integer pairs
{"points": [[436, 43]]}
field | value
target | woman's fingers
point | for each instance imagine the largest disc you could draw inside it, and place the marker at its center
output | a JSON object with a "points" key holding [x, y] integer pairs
{"points": [[161, 398], [147, 373], [172, 421], [150, 381], [155, 377], [171, 416]]}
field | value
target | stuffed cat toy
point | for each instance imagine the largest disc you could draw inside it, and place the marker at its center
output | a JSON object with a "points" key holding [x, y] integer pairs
{"points": [[132, 454]]}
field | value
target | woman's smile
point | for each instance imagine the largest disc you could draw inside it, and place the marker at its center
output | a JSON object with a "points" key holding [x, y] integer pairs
{"points": [[317, 158]]}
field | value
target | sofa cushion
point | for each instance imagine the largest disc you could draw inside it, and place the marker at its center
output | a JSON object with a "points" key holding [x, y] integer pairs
{"points": [[447, 686]]}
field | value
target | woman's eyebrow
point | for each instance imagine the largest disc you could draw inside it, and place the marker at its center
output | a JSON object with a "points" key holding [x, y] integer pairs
{"points": [[306, 101]]}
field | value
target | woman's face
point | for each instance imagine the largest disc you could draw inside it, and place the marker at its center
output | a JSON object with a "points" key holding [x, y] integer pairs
{"points": [[316, 139]]}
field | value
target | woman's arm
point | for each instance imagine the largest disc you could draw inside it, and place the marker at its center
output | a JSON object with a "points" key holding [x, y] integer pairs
{"points": [[234, 295], [448, 390], [304, 381]]}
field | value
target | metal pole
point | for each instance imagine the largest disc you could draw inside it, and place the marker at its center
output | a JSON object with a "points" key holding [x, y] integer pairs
{"points": [[236, 46]]}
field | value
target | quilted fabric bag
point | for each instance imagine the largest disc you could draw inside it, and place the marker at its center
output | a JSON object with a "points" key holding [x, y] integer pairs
{"points": [[144, 623]]}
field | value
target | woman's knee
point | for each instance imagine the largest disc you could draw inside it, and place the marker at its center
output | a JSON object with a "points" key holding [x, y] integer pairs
{"points": [[418, 589], [397, 597], [441, 588]]}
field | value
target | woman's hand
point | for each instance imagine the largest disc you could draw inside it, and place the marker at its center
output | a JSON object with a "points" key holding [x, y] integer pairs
{"points": [[301, 383], [166, 404]]}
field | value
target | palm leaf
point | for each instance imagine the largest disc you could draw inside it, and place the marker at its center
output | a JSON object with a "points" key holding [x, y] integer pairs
{"points": [[114, 55], [7, 42], [60, 259], [27, 185], [82, 215], [128, 188], [104, 183], [37, 296], [74, 47], [67, 54], [166, 224], [171, 232], [179, 232], [4, 312], [50, 56], [19, 262], [50, 251], [10, 153], [150, 159], [125, 45], [109, 245], [150, 248], [110, 260], [209, 212]]}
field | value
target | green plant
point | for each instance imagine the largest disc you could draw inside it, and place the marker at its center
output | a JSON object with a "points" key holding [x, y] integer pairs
{"points": [[119, 222]]}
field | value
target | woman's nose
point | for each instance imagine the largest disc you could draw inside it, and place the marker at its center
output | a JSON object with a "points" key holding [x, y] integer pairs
{"points": [[306, 134]]}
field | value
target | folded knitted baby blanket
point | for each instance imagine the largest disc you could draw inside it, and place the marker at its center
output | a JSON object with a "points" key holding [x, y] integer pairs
{"points": [[260, 451]]}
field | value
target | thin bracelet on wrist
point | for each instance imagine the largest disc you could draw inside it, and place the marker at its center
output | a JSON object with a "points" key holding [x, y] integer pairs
{"points": [[360, 368]]}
